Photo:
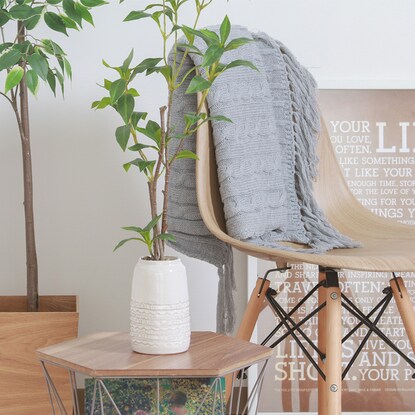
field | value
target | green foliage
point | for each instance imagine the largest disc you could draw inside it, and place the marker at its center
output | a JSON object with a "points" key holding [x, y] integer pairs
{"points": [[40, 58], [13, 78], [152, 158]]}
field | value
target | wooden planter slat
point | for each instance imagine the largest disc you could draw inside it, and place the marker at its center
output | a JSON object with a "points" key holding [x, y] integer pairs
{"points": [[22, 385]]}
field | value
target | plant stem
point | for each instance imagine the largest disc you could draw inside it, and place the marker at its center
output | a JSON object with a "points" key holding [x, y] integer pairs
{"points": [[152, 191], [24, 128], [167, 167]]}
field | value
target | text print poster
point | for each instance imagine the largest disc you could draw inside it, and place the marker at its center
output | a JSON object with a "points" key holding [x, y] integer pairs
{"points": [[373, 135]]}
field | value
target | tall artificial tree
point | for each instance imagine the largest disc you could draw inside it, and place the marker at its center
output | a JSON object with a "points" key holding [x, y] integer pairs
{"points": [[26, 61]]}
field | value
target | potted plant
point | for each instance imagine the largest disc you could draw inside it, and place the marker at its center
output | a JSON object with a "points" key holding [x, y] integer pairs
{"points": [[27, 323], [159, 306]]}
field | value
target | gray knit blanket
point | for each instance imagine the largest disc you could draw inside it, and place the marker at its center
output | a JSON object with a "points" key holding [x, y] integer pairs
{"points": [[266, 162]]}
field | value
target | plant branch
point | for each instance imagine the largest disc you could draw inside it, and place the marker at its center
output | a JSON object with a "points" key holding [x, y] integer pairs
{"points": [[2, 35], [8, 98]]}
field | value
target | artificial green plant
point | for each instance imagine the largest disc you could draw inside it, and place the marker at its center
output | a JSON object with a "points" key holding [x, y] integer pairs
{"points": [[26, 61], [151, 156]]}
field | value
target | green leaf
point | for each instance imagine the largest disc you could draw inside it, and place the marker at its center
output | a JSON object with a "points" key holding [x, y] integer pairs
{"points": [[133, 92], [208, 36], [67, 67], [13, 78], [225, 30], [24, 47], [101, 104], [192, 48], [52, 48], [212, 55], [54, 1], [93, 3], [117, 89], [146, 64], [55, 22], [52, 81], [4, 18], [39, 64], [237, 43], [69, 23], [141, 164], [136, 15], [2, 3], [121, 243], [123, 135], [212, 36], [127, 61], [141, 146], [192, 118], [187, 154], [198, 84], [71, 12], [136, 117], [21, 12], [107, 84], [152, 223], [166, 237], [166, 71], [220, 118], [84, 12], [132, 229], [152, 130], [125, 107], [5, 46], [240, 62], [32, 22], [189, 33], [61, 81], [9, 58], [32, 81]]}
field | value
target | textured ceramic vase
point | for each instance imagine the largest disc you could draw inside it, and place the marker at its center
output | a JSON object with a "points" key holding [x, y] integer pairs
{"points": [[160, 317]]}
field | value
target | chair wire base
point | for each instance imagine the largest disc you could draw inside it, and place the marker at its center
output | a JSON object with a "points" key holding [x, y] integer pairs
{"points": [[294, 329]]}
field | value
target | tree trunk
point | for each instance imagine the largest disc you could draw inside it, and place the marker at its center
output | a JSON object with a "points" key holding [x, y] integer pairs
{"points": [[31, 256]]}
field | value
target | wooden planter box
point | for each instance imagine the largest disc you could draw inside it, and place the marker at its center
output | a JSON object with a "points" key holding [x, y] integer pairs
{"points": [[23, 388]]}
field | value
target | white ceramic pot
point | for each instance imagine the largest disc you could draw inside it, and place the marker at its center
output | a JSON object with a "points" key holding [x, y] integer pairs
{"points": [[160, 317]]}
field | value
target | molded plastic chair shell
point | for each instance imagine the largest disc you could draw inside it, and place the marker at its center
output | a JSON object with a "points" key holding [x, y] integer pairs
{"points": [[386, 245]]}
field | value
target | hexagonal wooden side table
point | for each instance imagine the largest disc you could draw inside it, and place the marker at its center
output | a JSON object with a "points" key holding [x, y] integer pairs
{"points": [[104, 356]]}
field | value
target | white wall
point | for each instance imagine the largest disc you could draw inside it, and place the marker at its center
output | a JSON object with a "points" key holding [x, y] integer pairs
{"points": [[82, 194]]}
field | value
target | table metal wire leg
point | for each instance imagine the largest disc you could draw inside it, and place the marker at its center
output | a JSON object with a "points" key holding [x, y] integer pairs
{"points": [[55, 393], [101, 384], [94, 397], [213, 385], [75, 402], [255, 392]]}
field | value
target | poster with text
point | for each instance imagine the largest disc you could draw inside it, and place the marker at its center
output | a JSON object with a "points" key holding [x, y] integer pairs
{"points": [[373, 135]]}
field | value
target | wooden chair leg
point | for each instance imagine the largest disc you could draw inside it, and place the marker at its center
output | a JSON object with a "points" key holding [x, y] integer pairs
{"points": [[405, 308], [250, 318], [330, 343], [334, 351], [322, 315]]}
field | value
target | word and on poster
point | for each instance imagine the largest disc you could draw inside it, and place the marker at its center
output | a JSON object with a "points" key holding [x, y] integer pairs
{"points": [[373, 135]]}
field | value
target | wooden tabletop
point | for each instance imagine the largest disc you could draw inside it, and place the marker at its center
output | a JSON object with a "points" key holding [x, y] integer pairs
{"points": [[110, 355]]}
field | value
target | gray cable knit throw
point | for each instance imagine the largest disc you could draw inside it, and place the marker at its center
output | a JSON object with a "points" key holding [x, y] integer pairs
{"points": [[266, 162]]}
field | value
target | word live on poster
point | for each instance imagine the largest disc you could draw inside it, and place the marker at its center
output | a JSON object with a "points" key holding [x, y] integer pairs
{"points": [[373, 135]]}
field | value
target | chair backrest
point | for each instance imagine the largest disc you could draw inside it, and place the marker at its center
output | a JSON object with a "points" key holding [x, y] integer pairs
{"points": [[331, 192]]}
